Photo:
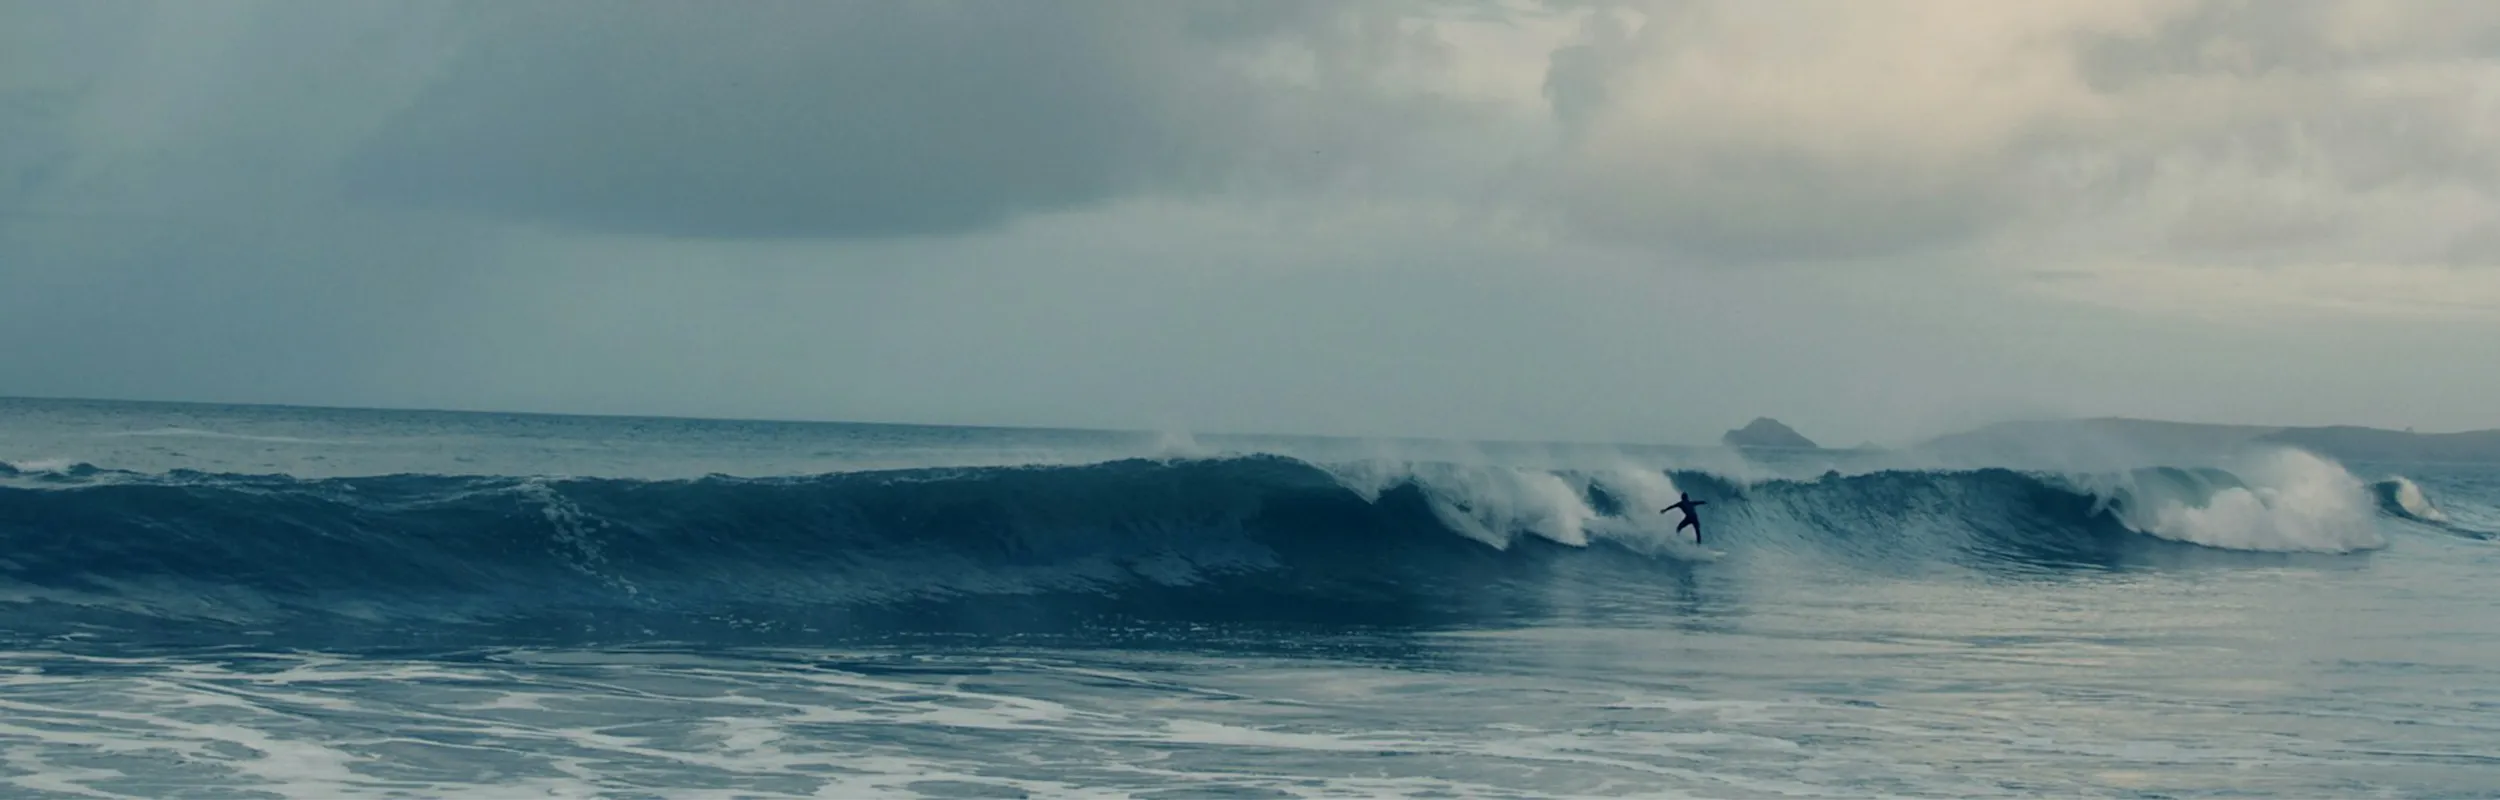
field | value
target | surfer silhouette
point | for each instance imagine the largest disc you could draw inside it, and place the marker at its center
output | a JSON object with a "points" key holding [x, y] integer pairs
{"points": [[1692, 519]]}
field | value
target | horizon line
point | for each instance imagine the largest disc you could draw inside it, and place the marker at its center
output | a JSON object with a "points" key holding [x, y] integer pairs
{"points": [[829, 421], [1191, 433]]}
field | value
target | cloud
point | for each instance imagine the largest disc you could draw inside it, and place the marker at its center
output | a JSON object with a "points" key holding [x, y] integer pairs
{"points": [[167, 216], [1740, 132], [1743, 132], [866, 119], [1457, 217], [1706, 132]]}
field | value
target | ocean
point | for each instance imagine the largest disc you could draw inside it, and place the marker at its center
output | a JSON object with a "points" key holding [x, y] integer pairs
{"points": [[259, 602]]}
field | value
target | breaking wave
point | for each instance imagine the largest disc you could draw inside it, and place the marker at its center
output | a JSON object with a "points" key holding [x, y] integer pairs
{"points": [[2403, 498], [2400, 497], [1259, 537]]}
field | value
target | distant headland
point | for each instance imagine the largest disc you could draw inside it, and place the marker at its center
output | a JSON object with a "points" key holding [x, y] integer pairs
{"points": [[2339, 442]]}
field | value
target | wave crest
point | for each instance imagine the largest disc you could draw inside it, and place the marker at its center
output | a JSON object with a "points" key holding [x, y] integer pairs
{"points": [[2400, 496], [2279, 500]]}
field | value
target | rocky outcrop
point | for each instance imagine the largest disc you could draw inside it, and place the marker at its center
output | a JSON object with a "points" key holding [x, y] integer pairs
{"points": [[1766, 432]]}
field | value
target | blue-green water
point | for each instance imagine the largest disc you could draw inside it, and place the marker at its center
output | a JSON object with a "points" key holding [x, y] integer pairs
{"points": [[208, 601]]}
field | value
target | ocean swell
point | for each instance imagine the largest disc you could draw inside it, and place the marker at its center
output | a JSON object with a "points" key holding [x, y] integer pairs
{"points": [[1210, 539]]}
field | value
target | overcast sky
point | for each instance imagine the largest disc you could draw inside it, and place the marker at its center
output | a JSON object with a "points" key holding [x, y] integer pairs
{"points": [[1636, 221]]}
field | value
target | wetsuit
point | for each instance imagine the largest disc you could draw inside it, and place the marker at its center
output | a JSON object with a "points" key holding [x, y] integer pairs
{"points": [[1691, 520]]}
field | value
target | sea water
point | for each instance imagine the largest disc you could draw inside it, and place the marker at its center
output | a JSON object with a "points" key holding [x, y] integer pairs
{"points": [[248, 602]]}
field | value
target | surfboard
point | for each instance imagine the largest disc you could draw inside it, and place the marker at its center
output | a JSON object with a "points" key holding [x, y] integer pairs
{"points": [[1688, 550]]}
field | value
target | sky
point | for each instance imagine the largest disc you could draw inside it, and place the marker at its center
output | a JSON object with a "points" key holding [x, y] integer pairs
{"points": [[1599, 221]]}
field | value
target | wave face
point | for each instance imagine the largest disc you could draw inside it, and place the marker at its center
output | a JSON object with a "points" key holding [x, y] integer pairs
{"points": [[2403, 498], [1257, 538]]}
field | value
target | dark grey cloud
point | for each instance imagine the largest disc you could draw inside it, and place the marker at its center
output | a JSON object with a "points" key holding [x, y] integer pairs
{"points": [[855, 119], [167, 225], [1579, 74]]}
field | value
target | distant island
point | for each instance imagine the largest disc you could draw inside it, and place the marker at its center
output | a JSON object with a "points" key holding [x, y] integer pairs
{"points": [[2340, 442], [1767, 432]]}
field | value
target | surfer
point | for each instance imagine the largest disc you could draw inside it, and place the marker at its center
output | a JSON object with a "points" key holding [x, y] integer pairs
{"points": [[1691, 519]]}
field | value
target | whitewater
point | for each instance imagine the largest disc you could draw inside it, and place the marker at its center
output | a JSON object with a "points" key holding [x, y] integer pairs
{"points": [[233, 601]]}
